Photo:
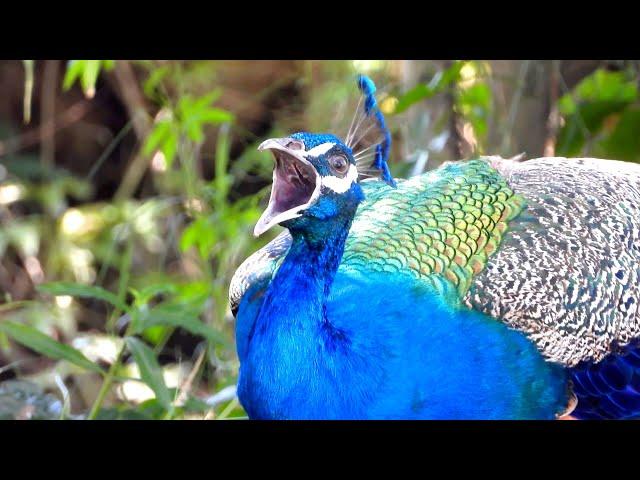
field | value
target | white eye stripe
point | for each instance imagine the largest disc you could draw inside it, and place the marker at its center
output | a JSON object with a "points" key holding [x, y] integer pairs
{"points": [[341, 185], [320, 149]]}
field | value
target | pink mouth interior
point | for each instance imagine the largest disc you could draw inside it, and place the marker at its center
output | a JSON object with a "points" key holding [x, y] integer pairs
{"points": [[294, 184]]}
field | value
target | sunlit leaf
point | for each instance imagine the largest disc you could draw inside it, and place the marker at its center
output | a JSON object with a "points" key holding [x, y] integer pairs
{"points": [[150, 370], [600, 86], [216, 116], [170, 148], [161, 130], [89, 77], [422, 91], [155, 79], [475, 104], [201, 234], [87, 72], [74, 71], [179, 316], [47, 346], [151, 291], [624, 141], [194, 131], [80, 290], [206, 100]]}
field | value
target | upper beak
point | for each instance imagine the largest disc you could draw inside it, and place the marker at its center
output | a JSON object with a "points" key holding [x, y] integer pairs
{"points": [[296, 183]]}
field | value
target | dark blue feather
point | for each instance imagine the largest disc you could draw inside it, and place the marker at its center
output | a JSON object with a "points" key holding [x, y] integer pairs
{"points": [[611, 388]]}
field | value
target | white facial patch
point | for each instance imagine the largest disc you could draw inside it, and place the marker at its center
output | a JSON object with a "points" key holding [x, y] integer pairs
{"points": [[337, 184], [341, 185], [320, 149]]}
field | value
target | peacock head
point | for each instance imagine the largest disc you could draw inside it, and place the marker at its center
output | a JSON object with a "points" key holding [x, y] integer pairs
{"points": [[315, 181]]}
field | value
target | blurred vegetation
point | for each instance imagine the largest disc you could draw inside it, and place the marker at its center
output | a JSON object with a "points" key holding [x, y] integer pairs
{"points": [[129, 190]]}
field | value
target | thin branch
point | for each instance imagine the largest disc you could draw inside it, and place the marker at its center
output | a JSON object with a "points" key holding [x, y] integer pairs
{"points": [[48, 110], [134, 102], [455, 136], [553, 120], [133, 98], [46, 129], [515, 104]]}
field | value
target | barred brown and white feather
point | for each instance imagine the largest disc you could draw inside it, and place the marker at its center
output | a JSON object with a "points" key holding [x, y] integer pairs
{"points": [[568, 270]]}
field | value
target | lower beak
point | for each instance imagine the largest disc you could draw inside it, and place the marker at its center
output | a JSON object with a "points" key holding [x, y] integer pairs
{"points": [[296, 183]]}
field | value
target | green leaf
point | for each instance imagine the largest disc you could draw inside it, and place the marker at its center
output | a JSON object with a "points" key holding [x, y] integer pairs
{"points": [[74, 71], [601, 86], [150, 370], [47, 346], [200, 233], [87, 71], [413, 96], [163, 137], [150, 291], [194, 130], [80, 290], [90, 76], [585, 122], [156, 334], [475, 106], [424, 91], [593, 100], [195, 404], [216, 116], [154, 80], [178, 315], [624, 141], [571, 138], [161, 130], [170, 148], [206, 100]]}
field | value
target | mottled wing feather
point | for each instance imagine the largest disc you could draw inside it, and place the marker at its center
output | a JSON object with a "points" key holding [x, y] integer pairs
{"points": [[259, 267], [568, 270]]}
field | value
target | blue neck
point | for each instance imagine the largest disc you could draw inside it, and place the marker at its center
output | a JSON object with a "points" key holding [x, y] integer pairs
{"points": [[294, 349], [304, 279]]}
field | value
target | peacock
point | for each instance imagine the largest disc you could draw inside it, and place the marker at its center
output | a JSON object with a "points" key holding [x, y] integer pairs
{"points": [[485, 289]]}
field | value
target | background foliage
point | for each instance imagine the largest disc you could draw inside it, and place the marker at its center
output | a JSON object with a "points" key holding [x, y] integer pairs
{"points": [[129, 190]]}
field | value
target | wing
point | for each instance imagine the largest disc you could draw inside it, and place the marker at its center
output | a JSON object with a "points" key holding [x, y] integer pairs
{"points": [[568, 270], [258, 269]]}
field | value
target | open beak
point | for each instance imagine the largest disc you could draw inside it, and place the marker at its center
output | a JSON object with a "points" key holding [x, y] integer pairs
{"points": [[296, 184]]}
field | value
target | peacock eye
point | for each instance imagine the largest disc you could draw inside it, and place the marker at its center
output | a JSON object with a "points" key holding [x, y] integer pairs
{"points": [[339, 164]]}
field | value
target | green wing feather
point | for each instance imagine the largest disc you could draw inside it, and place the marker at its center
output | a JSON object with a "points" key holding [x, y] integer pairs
{"points": [[443, 224]]}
